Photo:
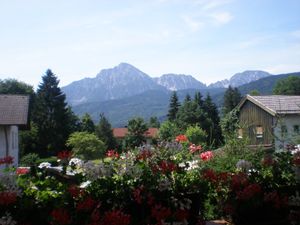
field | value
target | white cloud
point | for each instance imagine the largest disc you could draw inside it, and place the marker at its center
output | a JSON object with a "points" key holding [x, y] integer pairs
{"points": [[193, 24], [221, 17], [212, 4]]}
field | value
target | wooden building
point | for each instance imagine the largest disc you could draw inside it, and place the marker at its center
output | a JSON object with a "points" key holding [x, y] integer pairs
{"points": [[271, 121], [150, 134], [13, 115]]}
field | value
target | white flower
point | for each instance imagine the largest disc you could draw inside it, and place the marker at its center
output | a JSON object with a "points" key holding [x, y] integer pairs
{"points": [[44, 165], [75, 162], [244, 165], [85, 184]]}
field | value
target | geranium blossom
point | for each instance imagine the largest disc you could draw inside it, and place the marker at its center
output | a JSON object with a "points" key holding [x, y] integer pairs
{"points": [[160, 213], [64, 155], [8, 198], [116, 217], [86, 205], [249, 192], [7, 160], [206, 155], [181, 138], [61, 217], [112, 154], [22, 170], [194, 148]]}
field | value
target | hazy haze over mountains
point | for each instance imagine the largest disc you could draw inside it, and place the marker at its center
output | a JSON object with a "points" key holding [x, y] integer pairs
{"points": [[126, 80]]}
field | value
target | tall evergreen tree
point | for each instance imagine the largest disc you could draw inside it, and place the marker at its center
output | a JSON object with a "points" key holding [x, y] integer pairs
{"points": [[187, 98], [51, 116], [198, 99], [173, 107], [232, 97], [214, 133], [105, 133], [87, 124], [136, 129]]}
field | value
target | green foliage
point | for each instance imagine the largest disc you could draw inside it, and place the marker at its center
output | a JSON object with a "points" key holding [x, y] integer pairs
{"points": [[168, 131], [104, 132], [87, 123], [230, 125], [173, 106], [136, 129], [29, 159], [288, 86], [52, 160], [196, 135], [254, 92], [153, 122], [189, 114], [86, 145], [28, 140], [232, 97], [13, 86], [51, 116]]}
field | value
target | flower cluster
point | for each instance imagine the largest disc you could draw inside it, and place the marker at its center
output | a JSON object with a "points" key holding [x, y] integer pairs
{"points": [[6, 160]]}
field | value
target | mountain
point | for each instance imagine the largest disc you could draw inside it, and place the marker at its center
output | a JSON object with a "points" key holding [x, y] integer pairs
{"points": [[175, 82], [239, 79], [121, 81]]}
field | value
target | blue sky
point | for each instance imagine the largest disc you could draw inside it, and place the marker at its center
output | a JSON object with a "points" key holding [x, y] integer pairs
{"points": [[209, 39]]}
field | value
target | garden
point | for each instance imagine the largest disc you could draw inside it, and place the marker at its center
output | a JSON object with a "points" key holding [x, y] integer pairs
{"points": [[174, 182]]}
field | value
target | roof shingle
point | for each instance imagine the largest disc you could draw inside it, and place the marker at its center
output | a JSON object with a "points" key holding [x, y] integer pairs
{"points": [[14, 109]]}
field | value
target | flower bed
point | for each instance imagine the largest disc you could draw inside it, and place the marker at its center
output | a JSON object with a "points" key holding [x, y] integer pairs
{"points": [[169, 184]]}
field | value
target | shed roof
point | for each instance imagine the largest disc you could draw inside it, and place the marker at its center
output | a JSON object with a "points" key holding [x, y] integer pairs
{"points": [[14, 109], [121, 132], [275, 104]]}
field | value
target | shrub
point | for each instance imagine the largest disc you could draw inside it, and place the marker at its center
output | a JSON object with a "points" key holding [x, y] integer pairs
{"points": [[196, 135], [29, 159]]}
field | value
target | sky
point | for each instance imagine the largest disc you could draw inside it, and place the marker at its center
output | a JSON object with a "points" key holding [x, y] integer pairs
{"points": [[209, 39]]}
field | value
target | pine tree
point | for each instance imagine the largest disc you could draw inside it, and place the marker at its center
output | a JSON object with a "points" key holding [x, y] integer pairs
{"points": [[173, 107], [232, 97], [187, 98], [51, 116], [153, 122], [87, 124], [136, 129], [105, 133], [198, 99], [214, 133]]}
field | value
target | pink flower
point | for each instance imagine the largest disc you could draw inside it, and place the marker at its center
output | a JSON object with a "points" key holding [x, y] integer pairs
{"points": [[194, 148], [206, 155]]}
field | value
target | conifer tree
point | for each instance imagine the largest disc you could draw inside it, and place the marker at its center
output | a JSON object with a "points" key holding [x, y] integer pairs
{"points": [[51, 116], [198, 99], [105, 133], [87, 124], [232, 97], [136, 129], [214, 133], [173, 107], [153, 122]]}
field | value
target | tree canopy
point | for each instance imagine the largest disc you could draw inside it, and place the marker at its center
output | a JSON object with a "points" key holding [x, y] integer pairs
{"points": [[288, 86], [173, 107], [232, 97]]}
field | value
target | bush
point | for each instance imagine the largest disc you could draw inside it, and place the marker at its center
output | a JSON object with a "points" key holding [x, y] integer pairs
{"points": [[86, 145], [29, 159], [196, 135]]}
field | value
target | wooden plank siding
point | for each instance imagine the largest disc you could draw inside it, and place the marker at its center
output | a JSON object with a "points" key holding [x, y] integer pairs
{"points": [[251, 116]]}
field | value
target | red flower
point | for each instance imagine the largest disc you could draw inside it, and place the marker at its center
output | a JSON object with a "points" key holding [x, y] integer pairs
{"points": [[74, 191], [21, 171], [144, 154], [249, 192], [116, 217], [206, 155], [160, 213], [238, 181], [181, 138], [7, 160], [268, 161], [194, 148], [8, 198], [61, 217], [63, 155], [112, 154], [210, 175], [181, 214], [86, 205], [167, 167], [137, 194]]}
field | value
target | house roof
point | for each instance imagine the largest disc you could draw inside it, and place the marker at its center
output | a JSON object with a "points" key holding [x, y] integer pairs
{"points": [[121, 132], [14, 109], [275, 104]]}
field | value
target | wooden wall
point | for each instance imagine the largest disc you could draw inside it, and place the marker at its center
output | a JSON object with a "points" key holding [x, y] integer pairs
{"points": [[252, 116]]}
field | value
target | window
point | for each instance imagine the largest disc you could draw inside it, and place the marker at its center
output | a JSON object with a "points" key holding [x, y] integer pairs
{"points": [[259, 132], [296, 129], [240, 133]]}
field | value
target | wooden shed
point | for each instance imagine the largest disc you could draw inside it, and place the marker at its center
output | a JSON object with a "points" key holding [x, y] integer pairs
{"points": [[271, 121]]}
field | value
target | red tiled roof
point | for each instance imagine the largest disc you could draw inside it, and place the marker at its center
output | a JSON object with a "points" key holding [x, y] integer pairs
{"points": [[121, 132]]}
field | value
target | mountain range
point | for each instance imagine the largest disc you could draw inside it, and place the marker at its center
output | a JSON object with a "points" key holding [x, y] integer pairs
{"points": [[126, 80], [124, 92]]}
